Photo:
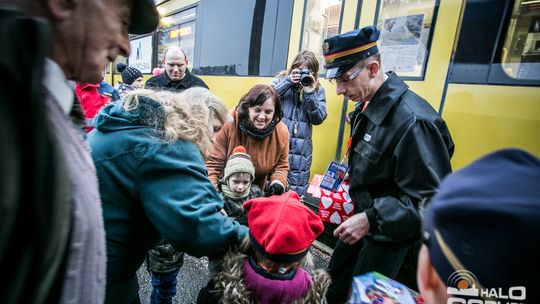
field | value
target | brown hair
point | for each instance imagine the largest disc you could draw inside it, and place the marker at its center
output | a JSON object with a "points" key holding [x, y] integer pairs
{"points": [[304, 57], [256, 96], [309, 59], [370, 59]]}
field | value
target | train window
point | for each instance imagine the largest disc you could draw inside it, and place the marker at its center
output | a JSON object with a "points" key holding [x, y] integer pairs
{"points": [[501, 47], [321, 20], [242, 37], [406, 30], [178, 29], [520, 52]]}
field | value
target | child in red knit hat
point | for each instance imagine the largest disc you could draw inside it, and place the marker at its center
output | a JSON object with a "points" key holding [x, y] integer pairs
{"points": [[270, 266], [236, 186]]}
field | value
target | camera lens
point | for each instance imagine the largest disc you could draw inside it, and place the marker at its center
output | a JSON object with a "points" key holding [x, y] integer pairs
{"points": [[305, 80]]}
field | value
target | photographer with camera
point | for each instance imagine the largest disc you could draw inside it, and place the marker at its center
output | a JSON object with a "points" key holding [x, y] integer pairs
{"points": [[304, 104]]}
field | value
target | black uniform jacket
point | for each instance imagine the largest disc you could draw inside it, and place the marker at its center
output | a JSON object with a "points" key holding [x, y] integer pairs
{"points": [[400, 147], [163, 82]]}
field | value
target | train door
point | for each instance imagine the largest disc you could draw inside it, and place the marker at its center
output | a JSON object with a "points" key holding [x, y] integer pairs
{"points": [[492, 99]]}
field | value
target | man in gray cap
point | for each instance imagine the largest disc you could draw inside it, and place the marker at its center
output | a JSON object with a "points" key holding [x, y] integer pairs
{"points": [[482, 232], [52, 242], [399, 148]]}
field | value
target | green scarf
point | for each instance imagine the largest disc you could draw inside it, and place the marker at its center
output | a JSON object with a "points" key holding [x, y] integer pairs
{"points": [[231, 194]]}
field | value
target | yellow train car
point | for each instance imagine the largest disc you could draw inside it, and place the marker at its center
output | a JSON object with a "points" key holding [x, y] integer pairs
{"points": [[477, 62]]}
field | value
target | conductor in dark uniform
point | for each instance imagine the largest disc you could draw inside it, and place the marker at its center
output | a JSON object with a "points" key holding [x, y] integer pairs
{"points": [[399, 149]]}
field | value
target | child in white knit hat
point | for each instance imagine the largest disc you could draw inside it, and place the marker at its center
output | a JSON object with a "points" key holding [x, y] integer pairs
{"points": [[236, 185]]}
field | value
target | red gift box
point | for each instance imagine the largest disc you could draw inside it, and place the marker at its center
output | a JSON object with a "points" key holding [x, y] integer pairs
{"points": [[333, 207]]}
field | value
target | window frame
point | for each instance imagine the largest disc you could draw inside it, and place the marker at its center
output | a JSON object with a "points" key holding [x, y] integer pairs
{"points": [[156, 62], [322, 70], [197, 65], [491, 73], [436, 7]]}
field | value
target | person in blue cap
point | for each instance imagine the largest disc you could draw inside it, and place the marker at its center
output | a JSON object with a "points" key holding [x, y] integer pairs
{"points": [[399, 148], [482, 233]]}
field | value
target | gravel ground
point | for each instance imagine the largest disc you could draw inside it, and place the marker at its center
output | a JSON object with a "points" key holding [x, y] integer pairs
{"points": [[193, 276]]}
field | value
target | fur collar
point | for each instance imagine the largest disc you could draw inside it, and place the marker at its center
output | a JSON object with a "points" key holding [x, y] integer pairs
{"points": [[229, 283]]}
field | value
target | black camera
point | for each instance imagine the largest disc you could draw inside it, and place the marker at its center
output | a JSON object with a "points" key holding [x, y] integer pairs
{"points": [[305, 77]]}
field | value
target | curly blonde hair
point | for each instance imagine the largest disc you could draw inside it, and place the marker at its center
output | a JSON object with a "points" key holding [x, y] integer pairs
{"points": [[215, 105], [177, 116]]}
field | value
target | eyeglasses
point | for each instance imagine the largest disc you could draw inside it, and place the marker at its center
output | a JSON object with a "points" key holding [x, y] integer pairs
{"points": [[342, 80]]}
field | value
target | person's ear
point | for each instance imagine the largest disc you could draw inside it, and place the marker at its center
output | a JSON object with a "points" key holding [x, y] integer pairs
{"points": [[374, 69], [61, 9], [187, 61], [431, 287]]}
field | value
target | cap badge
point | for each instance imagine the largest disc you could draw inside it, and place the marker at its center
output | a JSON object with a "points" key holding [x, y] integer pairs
{"points": [[326, 47]]}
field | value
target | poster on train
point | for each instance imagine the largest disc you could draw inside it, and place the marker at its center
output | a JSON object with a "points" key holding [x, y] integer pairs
{"points": [[140, 56], [401, 44]]}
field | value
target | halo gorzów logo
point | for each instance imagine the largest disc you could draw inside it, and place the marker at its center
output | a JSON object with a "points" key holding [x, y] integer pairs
{"points": [[463, 288]]}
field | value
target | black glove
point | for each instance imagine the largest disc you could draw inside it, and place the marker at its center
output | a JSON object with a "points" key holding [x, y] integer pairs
{"points": [[275, 189]]}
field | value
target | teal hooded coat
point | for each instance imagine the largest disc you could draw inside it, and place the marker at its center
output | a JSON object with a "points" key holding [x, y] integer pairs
{"points": [[152, 189]]}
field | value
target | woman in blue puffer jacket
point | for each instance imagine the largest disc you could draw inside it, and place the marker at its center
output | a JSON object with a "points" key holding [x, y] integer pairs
{"points": [[304, 105]]}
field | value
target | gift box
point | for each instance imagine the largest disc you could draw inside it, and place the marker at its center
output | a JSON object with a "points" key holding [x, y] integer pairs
{"points": [[334, 207]]}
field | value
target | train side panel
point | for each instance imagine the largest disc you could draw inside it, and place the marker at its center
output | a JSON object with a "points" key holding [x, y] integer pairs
{"points": [[485, 118]]}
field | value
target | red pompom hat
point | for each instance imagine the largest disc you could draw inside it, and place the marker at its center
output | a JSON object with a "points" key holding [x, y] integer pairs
{"points": [[281, 227]]}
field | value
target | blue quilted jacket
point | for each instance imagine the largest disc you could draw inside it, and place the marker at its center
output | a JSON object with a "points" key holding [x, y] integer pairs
{"points": [[300, 111]]}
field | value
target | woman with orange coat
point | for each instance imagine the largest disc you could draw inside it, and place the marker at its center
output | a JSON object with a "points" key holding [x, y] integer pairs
{"points": [[257, 126]]}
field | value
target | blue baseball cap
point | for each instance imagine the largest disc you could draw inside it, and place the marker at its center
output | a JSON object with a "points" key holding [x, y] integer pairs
{"points": [[485, 221]]}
